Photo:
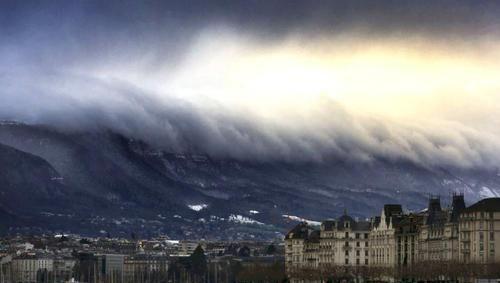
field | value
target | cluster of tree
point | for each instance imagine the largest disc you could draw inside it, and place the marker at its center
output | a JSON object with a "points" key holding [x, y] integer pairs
{"points": [[450, 271], [261, 273], [192, 269], [196, 269], [235, 249]]}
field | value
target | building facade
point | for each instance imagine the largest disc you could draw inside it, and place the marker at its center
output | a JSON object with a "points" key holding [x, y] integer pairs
{"points": [[407, 239], [300, 245], [31, 268], [394, 237], [63, 269], [398, 239], [438, 239], [98, 267], [145, 268], [479, 235], [383, 236], [343, 241]]}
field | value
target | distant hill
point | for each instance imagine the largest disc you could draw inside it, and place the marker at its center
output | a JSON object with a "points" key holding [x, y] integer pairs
{"points": [[100, 181]]}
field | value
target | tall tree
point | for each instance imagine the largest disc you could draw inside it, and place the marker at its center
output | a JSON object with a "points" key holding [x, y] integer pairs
{"points": [[198, 262]]}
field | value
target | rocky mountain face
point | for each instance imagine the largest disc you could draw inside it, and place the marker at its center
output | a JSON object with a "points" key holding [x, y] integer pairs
{"points": [[103, 182]]}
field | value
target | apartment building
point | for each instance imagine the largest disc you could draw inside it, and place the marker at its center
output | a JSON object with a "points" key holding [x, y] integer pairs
{"points": [[479, 227], [438, 237], [348, 240], [145, 268], [31, 268], [63, 268], [383, 236], [343, 241], [93, 267], [394, 237], [300, 245], [407, 239]]}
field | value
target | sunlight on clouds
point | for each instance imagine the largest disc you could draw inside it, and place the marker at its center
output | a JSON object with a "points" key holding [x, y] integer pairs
{"points": [[385, 78]]}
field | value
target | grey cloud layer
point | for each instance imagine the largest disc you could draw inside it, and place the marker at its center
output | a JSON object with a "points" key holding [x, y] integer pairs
{"points": [[41, 43], [179, 126]]}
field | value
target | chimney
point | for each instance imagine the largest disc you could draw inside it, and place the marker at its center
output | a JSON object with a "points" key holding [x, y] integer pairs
{"points": [[434, 204], [457, 206]]}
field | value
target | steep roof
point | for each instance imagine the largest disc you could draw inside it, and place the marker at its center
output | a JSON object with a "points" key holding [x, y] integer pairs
{"points": [[328, 225], [376, 221], [409, 223], [353, 224], [437, 218], [346, 218], [301, 231], [362, 226], [392, 209], [435, 215], [487, 204], [457, 207], [434, 204]]}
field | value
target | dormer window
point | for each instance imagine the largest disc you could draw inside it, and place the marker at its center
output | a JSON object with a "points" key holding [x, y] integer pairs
{"points": [[346, 224]]}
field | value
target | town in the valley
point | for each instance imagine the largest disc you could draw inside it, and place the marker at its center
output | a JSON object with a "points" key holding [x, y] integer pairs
{"points": [[453, 243]]}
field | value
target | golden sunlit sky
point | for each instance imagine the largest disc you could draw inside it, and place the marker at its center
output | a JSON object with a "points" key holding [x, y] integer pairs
{"points": [[395, 78]]}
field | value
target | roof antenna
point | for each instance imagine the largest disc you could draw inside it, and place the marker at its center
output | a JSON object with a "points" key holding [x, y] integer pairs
{"points": [[345, 211]]}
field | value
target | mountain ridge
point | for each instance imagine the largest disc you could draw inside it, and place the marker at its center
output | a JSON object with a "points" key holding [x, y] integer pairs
{"points": [[137, 187]]}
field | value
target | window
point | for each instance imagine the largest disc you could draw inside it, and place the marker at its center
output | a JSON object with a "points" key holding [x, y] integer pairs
{"points": [[357, 261], [366, 261], [346, 244], [358, 244], [346, 253], [491, 215], [481, 236], [366, 235], [346, 261], [366, 244], [357, 235], [357, 253], [366, 252], [346, 234], [492, 236]]}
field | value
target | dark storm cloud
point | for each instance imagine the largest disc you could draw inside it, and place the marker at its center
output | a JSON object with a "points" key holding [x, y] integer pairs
{"points": [[91, 21], [69, 32]]}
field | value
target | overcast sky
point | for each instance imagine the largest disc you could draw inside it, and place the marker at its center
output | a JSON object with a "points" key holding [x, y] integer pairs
{"points": [[268, 80]]}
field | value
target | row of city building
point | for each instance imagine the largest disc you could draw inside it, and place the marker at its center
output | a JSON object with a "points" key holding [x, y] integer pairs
{"points": [[397, 238], [75, 259]]}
